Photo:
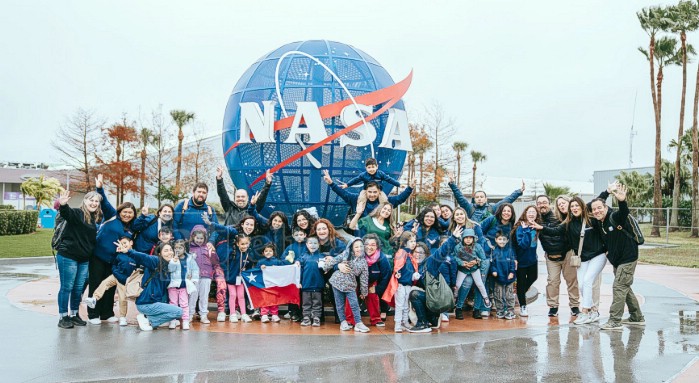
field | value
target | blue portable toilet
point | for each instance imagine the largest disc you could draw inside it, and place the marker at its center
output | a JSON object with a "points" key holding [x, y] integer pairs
{"points": [[48, 218]]}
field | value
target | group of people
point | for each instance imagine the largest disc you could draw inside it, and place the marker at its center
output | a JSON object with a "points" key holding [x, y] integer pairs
{"points": [[182, 251]]}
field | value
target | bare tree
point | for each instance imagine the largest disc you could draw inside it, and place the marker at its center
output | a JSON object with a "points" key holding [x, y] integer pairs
{"points": [[76, 140], [441, 130], [159, 163], [199, 160]]}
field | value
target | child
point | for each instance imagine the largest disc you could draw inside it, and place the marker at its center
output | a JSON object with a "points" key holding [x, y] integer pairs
{"points": [[312, 282], [291, 254], [502, 269], [121, 271], [165, 235], [372, 173], [180, 269], [345, 284], [466, 252], [209, 264], [404, 275], [239, 260], [269, 258]]}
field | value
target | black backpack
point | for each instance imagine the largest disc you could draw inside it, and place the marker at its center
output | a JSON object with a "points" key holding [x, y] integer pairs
{"points": [[630, 229], [58, 233]]}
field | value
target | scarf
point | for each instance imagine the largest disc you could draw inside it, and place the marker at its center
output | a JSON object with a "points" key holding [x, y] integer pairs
{"points": [[371, 259]]}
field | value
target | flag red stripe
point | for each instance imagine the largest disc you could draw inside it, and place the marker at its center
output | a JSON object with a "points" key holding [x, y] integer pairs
{"points": [[273, 296]]}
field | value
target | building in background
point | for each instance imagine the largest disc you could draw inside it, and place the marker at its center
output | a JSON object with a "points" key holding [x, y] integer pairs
{"points": [[12, 174]]}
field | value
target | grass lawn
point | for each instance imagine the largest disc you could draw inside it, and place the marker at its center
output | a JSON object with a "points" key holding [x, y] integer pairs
{"points": [[685, 252], [26, 245]]}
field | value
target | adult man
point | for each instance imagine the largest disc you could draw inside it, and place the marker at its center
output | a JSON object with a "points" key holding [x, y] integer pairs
{"points": [[236, 210], [558, 254], [481, 209], [373, 190], [188, 212], [622, 253]]}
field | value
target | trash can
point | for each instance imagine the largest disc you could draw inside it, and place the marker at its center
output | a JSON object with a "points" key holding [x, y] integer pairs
{"points": [[48, 218]]}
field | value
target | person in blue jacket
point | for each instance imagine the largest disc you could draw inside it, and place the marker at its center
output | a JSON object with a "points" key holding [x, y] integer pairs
{"points": [[274, 229], [429, 262], [524, 242], [100, 265], [372, 174], [503, 270], [239, 260], [152, 303], [147, 226], [481, 209], [188, 213], [426, 227], [291, 254], [312, 282]]}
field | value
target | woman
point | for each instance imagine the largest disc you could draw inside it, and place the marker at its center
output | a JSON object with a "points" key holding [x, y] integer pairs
{"points": [[460, 218], [561, 211], [330, 246], [274, 229], [73, 254], [151, 303], [304, 220], [378, 222], [592, 254], [100, 266], [503, 221], [524, 242], [426, 227], [147, 226]]}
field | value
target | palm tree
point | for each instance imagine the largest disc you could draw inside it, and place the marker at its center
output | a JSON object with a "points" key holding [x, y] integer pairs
{"points": [[640, 188], [554, 191], [145, 138], [654, 20], [181, 119], [42, 189], [665, 53], [459, 146], [476, 157], [685, 17]]}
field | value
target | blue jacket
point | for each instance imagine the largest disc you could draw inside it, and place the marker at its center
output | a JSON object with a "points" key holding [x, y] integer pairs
{"points": [[434, 262], [364, 178], [298, 248], [490, 227], [525, 246], [155, 289], [146, 227], [503, 263], [448, 269], [123, 267], [333, 249], [479, 213], [271, 262], [185, 221], [109, 233], [235, 264], [430, 238], [351, 198], [311, 275], [380, 273], [461, 257], [276, 236], [406, 272], [108, 211]]}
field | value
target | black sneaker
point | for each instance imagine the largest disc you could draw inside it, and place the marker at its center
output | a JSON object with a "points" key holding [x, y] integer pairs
{"points": [[77, 320], [468, 307], [477, 314], [553, 312], [296, 318], [420, 328], [65, 322], [574, 311], [459, 314]]}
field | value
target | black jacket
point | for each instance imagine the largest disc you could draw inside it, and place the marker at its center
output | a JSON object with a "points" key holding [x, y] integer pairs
{"points": [[234, 213], [79, 238], [621, 249], [593, 244], [553, 244]]}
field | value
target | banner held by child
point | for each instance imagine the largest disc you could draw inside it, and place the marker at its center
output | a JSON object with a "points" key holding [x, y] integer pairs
{"points": [[275, 285]]}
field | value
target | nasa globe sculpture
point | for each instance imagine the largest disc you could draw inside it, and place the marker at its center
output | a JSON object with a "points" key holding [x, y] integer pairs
{"points": [[311, 106]]}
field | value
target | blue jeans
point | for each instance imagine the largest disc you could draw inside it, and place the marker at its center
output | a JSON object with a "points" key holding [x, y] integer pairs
{"points": [[478, 303], [463, 291], [159, 313], [72, 277], [425, 317], [353, 302]]}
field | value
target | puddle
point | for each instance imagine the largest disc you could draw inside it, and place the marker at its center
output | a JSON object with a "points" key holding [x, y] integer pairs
{"points": [[688, 322]]}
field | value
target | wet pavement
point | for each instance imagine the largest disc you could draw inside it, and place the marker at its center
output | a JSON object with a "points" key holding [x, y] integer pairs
{"points": [[524, 350]]}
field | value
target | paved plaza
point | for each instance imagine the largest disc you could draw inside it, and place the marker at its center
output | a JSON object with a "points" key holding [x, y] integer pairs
{"points": [[524, 350]]}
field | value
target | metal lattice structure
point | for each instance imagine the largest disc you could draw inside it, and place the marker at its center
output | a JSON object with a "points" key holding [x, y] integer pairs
{"points": [[300, 184]]}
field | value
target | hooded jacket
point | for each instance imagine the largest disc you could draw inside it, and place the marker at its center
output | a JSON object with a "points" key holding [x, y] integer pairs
{"points": [[155, 278], [234, 213], [479, 213], [146, 228], [207, 261], [123, 268], [524, 245], [503, 263], [184, 220], [347, 282], [79, 237], [110, 232], [464, 254], [311, 275]]}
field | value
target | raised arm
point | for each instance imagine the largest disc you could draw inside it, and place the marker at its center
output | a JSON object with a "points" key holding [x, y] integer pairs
{"points": [[349, 198], [402, 197], [510, 198], [387, 178], [262, 198], [461, 200], [148, 261], [620, 216], [223, 194], [253, 210]]}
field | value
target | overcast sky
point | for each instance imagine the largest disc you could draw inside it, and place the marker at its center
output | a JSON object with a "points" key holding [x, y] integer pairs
{"points": [[544, 88]]}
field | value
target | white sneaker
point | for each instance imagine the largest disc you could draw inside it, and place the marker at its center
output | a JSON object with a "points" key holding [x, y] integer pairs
{"points": [[95, 321], [185, 325], [361, 327], [204, 318], [143, 323], [286, 316], [445, 317], [594, 317], [264, 319], [123, 322], [173, 324], [582, 318], [485, 313], [233, 318], [245, 318], [344, 326], [523, 311], [91, 302], [275, 318], [221, 317], [112, 319], [398, 329]]}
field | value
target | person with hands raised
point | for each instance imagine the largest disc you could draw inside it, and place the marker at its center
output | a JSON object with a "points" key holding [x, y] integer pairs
{"points": [[74, 251], [108, 210], [147, 226], [479, 209], [238, 208]]}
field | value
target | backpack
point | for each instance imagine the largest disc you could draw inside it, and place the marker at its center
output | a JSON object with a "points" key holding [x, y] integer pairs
{"points": [[58, 233], [185, 206], [439, 297], [634, 232]]}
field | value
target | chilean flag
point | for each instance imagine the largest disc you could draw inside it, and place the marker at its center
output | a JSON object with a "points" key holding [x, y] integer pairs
{"points": [[275, 285]]}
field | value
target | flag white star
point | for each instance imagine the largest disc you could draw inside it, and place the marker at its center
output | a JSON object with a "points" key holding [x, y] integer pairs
{"points": [[251, 277]]}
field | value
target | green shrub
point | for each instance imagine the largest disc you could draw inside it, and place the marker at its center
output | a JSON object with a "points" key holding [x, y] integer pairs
{"points": [[18, 222], [7, 207]]}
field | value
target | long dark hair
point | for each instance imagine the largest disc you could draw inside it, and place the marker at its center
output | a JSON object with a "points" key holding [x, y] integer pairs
{"points": [[309, 218], [239, 226], [421, 217], [523, 219], [498, 212], [282, 216], [124, 206]]}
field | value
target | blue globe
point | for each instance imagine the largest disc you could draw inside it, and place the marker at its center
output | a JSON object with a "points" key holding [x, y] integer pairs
{"points": [[300, 184]]}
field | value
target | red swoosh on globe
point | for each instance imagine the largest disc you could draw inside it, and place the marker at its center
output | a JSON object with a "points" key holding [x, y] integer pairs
{"points": [[389, 96]]}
